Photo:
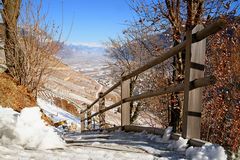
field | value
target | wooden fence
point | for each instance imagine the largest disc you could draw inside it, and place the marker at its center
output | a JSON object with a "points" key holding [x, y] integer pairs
{"points": [[194, 45]]}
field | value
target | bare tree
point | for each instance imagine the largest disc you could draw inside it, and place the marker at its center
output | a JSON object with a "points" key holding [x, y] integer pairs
{"points": [[122, 63], [221, 111], [175, 17], [178, 16], [29, 43], [131, 52]]}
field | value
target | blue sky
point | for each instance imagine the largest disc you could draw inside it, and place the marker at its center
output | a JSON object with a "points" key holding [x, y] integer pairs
{"points": [[93, 21], [88, 21]]}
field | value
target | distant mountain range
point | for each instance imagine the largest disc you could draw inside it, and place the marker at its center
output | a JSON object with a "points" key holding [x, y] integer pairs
{"points": [[72, 54], [90, 60]]}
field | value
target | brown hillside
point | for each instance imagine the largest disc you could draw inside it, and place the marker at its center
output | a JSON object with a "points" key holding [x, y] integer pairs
{"points": [[65, 105], [13, 95]]}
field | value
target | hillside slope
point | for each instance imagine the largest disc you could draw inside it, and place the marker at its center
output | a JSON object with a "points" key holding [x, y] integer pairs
{"points": [[66, 84]]}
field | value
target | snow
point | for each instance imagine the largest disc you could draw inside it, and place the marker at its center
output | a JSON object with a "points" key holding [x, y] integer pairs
{"points": [[167, 134], [57, 114], [27, 130], [25, 136], [206, 152], [134, 146], [179, 145], [33, 133]]}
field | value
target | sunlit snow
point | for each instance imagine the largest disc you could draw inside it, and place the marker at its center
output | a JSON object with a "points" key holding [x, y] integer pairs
{"points": [[25, 136]]}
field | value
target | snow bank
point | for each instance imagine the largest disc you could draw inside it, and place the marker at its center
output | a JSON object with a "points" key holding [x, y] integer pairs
{"points": [[206, 152], [8, 119], [27, 129], [179, 145], [167, 134], [155, 138], [57, 114]]}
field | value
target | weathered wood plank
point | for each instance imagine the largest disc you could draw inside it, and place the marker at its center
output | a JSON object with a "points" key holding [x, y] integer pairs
{"points": [[82, 117], [101, 107], [150, 130], [89, 120], [201, 82], [195, 96], [125, 106], [103, 95], [163, 90], [209, 30], [186, 82], [176, 88]]}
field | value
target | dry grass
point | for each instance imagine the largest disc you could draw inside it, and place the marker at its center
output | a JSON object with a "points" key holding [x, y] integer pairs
{"points": [[13, 95]]}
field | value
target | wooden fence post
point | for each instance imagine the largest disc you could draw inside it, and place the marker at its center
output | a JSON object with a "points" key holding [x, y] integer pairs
{"points": [[82, 116], [89, 121], [93, 123], [102, 123], [192, 114], [125, 107], [186, 83]]}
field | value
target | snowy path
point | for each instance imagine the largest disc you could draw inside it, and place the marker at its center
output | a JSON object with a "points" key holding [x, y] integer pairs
{"points": [[98, 146], [111, 146], [139, 146], [24, 136]]}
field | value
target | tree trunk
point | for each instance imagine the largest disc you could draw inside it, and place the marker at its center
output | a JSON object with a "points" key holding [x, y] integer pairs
{"points": [[11, 10]]}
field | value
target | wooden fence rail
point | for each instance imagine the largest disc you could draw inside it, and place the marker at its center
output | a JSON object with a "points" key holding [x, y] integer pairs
{"points": [[164, 90], [211, 29], [191, 82]]}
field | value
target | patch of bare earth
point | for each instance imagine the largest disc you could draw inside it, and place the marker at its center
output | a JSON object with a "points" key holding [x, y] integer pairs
{"points": [[67, 106]]}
